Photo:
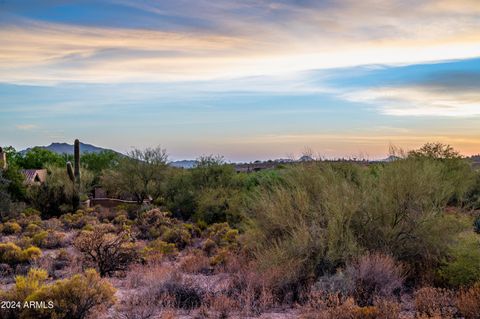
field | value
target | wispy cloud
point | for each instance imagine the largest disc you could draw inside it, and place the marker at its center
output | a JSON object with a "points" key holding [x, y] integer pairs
{"points": [[26, 127], [239, 40], [440, 94]]}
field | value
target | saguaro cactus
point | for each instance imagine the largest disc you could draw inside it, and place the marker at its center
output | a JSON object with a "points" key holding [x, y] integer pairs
{"points": [[77, 160], [74, 174]]}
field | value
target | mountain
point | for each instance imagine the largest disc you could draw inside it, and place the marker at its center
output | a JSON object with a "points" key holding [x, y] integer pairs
{"points": [[184, 164], [65, 148], [391, 158]]}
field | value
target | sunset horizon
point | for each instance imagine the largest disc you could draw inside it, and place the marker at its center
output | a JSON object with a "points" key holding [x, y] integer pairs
{"points": [[248, 80]]}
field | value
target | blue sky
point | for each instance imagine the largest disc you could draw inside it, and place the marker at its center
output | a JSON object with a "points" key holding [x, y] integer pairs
{"points": [[245, 79]]}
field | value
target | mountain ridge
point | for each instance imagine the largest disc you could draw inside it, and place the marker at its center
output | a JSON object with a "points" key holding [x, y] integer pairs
{"points": [[65, 148]]}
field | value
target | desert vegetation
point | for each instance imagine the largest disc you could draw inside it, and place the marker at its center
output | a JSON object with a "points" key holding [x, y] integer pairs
{"points": [[318, 239]]}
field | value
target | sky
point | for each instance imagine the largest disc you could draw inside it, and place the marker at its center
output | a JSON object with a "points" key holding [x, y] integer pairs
{"points": [[251, 79]]}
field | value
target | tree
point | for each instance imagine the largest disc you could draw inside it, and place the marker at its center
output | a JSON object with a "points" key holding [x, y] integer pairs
{"points": [[435, 151], [16, 186], [97, 162], [39, 157], [139, 174]]}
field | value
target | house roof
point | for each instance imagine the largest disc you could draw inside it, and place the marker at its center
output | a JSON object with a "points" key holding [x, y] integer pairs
{"points": [[34, 175]]}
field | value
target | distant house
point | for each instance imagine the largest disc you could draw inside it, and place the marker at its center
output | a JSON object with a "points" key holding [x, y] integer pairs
{"points": [[34, 176]]}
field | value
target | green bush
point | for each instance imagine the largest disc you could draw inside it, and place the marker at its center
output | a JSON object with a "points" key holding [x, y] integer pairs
{"points": [[403, 212], [464, 267], [223, 235], [177, 235]]}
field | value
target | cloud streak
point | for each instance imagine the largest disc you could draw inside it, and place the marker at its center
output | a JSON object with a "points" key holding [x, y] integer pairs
{"points": [[235, 40]]}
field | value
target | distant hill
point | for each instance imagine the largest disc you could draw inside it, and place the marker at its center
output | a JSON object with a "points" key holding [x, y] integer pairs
{"points": [[391, 158], [65, 148], [184, 164]]}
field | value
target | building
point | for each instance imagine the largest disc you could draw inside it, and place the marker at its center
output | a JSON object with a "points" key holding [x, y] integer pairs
{"points": [[34, 176]]}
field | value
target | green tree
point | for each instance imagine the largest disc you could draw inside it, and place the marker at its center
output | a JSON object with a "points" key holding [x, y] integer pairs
{"points": [[97, 162], [16, 186], [435, 151], [39, 157], [211, 191], [139, 174]]}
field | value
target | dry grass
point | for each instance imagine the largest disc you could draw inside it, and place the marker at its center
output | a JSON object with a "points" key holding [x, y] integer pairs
{"points": [[374, 275], [468, 302], [435, 302], [334, 307], [196, 263]]}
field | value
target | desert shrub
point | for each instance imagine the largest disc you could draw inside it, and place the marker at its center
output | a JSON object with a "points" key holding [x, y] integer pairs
{"points": [[301, 225], [196, 263], [435, 302], [136, 307], [24, 221], [250, 288], [29, 212], [177, 235], [32, 229], [78, 220], [468, 302], [24, 287], [73, 298], [214, 205], [49, 239], [109, 252], [373, 276], [10, 228], [157, 249], [184, 296], [333, 284], [221, 258], [223, 235], [332, 307], [463, 268], [403, 212], [13, 255], [62, 259], [166, 286], [209, 246], [152, 223], [53, 224], [121, 220]]}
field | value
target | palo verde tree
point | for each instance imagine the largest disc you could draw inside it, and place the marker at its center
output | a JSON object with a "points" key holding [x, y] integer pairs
{"points": [[139, 174]]}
